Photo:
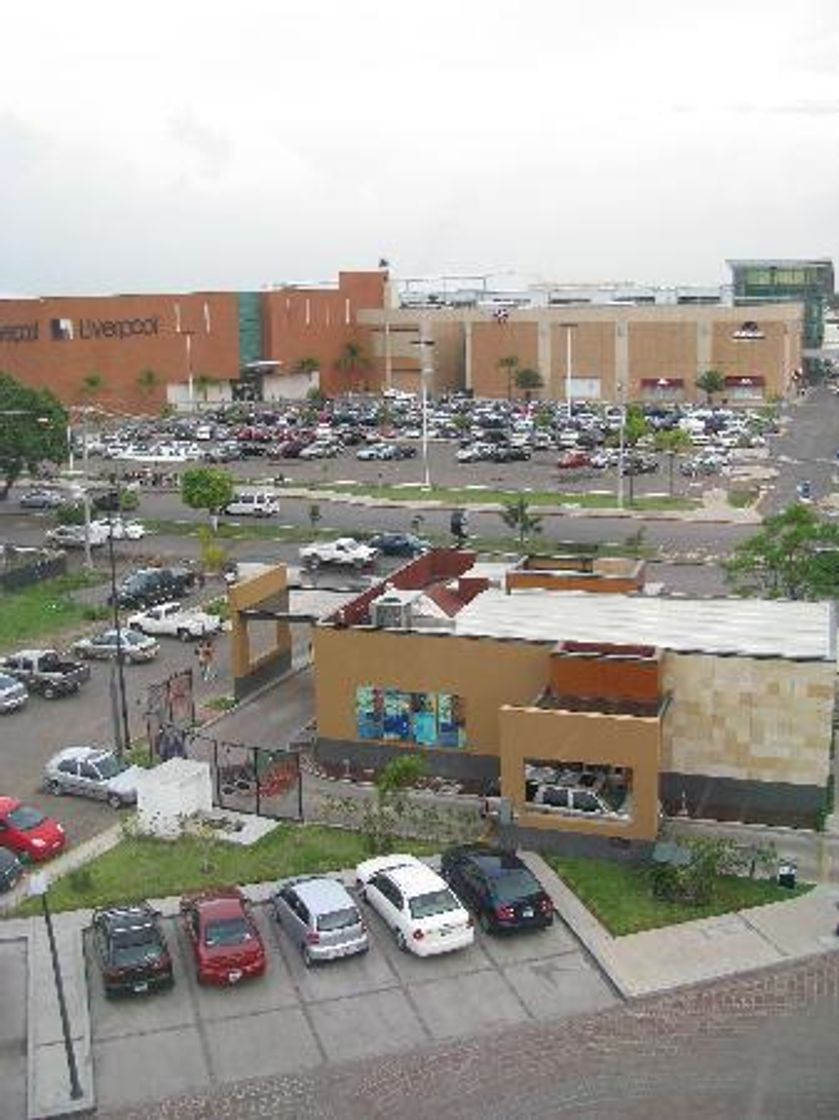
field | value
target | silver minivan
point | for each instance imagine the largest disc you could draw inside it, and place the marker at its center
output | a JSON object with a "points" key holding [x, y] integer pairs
{"points": [[321, 918]]}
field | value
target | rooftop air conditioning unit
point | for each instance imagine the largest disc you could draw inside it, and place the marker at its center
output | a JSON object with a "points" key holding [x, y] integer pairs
{"points": [[391, 614]]}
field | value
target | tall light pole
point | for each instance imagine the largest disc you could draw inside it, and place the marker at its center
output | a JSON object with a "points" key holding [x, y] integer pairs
{"points": [[425, 345], [621, 442], [569, 328], [122, 735]]}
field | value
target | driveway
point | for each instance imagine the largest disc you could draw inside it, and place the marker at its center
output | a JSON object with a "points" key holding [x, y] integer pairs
{"points": [[296, 1019]]}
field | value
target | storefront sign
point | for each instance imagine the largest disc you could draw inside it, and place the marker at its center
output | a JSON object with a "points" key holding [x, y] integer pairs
{"points": [[19, 332], [117, 328], [748, 331]]}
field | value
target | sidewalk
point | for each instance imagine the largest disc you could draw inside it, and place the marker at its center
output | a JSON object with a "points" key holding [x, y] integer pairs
{"points": [[643, 964]]}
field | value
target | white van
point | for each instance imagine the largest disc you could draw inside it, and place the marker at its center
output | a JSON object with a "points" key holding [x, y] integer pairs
{"points": [[256, 503]]}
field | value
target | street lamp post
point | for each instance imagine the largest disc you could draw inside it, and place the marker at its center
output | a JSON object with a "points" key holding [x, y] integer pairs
{"points": [[621, 443], [38, 888], [425, 344], [569, 328], [122, 736]]}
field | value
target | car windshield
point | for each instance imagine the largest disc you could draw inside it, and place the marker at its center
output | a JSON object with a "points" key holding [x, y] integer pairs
{"points": [[338, 919], [8, 682], [109, 766], [230, 931], [134, 946], [435, 902], [517, 883], [25, 817]]}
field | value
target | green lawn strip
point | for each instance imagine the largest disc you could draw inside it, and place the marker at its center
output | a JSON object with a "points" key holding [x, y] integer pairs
{"points": [[43, 608], [469, 496], [620, 895], [139, 868]]}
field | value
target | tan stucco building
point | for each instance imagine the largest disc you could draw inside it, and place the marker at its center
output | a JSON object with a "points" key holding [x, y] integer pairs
{"points": [[606, 353], [719, 708]]}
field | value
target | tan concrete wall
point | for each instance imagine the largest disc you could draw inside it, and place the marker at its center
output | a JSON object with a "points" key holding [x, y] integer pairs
{"points": [[583, 737], [484, 674], [763, 720], [268, 588]]}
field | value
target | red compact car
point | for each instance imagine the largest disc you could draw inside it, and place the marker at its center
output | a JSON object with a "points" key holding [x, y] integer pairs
{"points": [[28, 832], [223, 935]]}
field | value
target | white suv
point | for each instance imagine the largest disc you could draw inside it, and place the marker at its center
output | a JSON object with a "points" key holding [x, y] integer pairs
{"points": [[254, 504]]}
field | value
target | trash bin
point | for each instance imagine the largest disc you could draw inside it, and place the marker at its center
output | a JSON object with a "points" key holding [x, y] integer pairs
{"points": [[787, 873]]}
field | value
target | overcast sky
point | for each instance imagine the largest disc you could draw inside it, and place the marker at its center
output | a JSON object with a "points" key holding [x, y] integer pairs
{"points": [[189, 145]]}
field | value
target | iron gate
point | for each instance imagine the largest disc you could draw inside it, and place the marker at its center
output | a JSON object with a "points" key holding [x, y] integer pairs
{"points": [[249, 779]]}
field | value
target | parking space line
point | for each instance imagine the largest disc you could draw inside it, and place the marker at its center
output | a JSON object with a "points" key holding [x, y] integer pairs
{"points": [[276, 936]]}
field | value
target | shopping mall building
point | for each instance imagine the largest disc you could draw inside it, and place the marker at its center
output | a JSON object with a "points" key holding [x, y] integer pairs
{"points": [[367, 332]]}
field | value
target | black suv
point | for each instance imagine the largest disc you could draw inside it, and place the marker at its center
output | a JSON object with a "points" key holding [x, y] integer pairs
{"points": [[497, 887], [154, 585], [131, 950]]}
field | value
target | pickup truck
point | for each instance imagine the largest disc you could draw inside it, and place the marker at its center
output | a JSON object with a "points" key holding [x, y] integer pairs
{"points": [[46, 672], [344, 552]]}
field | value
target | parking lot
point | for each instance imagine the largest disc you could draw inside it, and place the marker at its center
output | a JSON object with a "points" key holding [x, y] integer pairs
{"points": [[296, 1018]]}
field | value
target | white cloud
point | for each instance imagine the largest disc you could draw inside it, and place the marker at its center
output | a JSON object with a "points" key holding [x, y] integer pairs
{"points": [[209, 145]]}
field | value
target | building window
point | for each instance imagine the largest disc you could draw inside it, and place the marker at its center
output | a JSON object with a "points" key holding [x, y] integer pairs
{"points": [[578, 789], [429, 719]]}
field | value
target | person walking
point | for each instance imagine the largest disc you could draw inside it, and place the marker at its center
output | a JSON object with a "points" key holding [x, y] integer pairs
{"points": [[206, 660]]}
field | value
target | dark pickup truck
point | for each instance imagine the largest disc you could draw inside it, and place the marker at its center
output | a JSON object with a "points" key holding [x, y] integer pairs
{"points": [[46, 672]]}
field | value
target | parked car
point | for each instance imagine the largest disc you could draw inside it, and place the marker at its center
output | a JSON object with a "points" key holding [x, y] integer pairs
{"points": [[343, 552], [321, 918], [73, 536], [577, 801], [376, 452], [93, 772], [41, 499], [131, 645], [122, 529], [148, 586], [398, 544], [225, 941], [11, 870], [46, 672], [130, 949], [13, 694], [511, 453], [498, 888], [29, 832], [176, 621], [253, 504], [415, 903], [573, 460]]}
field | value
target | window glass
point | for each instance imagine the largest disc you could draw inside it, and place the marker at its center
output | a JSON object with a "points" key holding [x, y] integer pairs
{"points": [[338, 919], [69, 766], [427, 718], [435, 902], [89, 772], [230, 931]]}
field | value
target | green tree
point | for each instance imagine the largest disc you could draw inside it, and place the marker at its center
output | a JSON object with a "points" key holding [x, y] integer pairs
{"points": [[795, 555], [516, 515], [528, 380], [307, 366], [676, 440], [710, 381], [508, 365], [213, 553], [91, 386], [33, 430], [352, 361], [203, 383], [148, 381], [384, 812], [209, 488]]}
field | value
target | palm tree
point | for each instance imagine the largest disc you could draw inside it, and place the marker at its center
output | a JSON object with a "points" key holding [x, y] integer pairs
{"points": [[710, 381], [510, 364], [147, 381], [517, 516], [308, 366], [203, 383], [528, 380], [352, 360], [92, 384]]}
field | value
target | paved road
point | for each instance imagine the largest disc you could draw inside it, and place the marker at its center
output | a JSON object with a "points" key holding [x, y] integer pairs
{"points": [[13, 972], [760, 1047]]}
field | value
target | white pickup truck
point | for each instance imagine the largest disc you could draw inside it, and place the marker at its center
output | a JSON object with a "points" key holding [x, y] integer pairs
{"points": [[344, 552], [175, 620]]}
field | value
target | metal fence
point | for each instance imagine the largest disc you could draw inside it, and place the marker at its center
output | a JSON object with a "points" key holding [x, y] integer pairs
{"points": [[248, 779]]}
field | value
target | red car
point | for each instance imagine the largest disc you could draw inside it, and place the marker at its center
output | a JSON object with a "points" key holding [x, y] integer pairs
{"points": [[28, 832], [570, 460], [223, 935]]}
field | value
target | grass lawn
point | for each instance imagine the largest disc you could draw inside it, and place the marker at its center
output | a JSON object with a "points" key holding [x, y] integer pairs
{"points": [[620, 896], [474, 496], [141, 868], [42, 609]]}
